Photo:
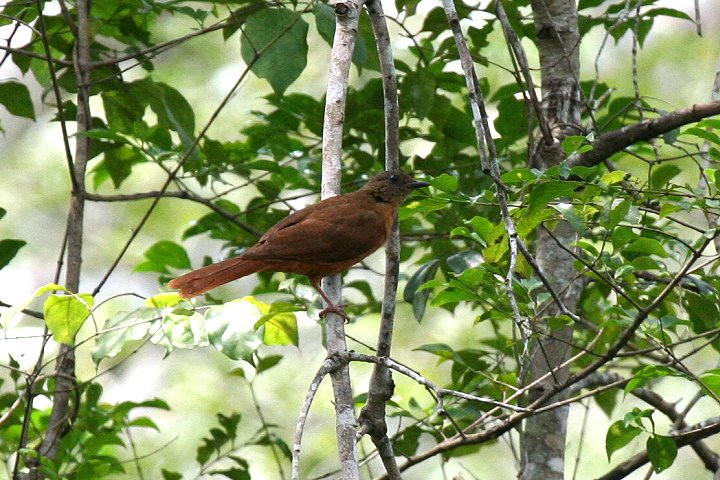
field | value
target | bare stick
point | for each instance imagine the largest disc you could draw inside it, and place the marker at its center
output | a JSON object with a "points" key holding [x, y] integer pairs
{"points": [[347, 16], [488, 159], [372, 417]]}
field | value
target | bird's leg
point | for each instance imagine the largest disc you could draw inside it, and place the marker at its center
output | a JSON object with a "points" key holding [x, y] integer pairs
{"points": [[331, 307]]}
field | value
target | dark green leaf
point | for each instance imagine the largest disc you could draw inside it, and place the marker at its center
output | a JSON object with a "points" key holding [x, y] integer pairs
{"points": [[618, 436], [268, 362], [15, 96], [445, 182], [324, 21], [543, 193], [418, 91], [661, 451], [668, 12], [8, 249], [647, 246], [663, 174], [118, 163], [419, 298], [408, 443], [618, 213], [279, 37], [443, 351], [165, 254], [647, 374], [233, 473], [702, 312], [169, 475]]}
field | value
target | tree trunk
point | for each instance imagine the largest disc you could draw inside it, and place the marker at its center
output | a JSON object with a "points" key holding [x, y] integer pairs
{"points": [[543, 437]]}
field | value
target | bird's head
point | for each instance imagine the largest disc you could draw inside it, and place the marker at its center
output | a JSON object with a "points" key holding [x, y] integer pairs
{"points": [[392, 186]]}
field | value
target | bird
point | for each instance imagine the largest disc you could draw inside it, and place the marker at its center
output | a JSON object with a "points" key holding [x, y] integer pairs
{"points": [[320, 240]]}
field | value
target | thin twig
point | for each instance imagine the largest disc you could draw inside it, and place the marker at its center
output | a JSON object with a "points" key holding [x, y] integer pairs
{"points": [[372, 417]]}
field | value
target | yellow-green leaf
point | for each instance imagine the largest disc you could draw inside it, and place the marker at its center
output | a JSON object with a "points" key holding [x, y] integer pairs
{"points": [[611, 178], [162, 300], [65, 314]]}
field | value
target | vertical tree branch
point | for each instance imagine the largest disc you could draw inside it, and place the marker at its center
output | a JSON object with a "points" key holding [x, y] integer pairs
{"points": [[543, 438], [381, 388], [347, 15], [489, 161], [65, 381]]}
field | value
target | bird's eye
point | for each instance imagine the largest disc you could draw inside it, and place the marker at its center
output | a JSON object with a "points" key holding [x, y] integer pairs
{"points": [[394, 178]]}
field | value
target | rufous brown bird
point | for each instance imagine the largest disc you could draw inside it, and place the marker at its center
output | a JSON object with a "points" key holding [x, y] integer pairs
{"points": [[320, 240]]}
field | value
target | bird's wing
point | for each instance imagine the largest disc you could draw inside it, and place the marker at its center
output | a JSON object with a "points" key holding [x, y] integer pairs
{"points": [[328, 232]]}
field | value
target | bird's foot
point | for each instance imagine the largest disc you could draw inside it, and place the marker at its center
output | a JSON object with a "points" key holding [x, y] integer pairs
{"points": [[337, 310]]}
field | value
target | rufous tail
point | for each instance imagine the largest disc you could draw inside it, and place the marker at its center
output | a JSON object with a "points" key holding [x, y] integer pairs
{"points": [[203, 279]]}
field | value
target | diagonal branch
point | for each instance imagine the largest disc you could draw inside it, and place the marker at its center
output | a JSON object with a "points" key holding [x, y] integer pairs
{"points": [[608, 144]]}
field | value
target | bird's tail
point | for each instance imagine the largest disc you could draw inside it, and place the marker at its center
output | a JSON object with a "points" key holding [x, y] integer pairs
{"points": [[203, 279]]}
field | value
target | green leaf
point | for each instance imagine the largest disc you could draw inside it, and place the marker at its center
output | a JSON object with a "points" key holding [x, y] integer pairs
{"points": [[663, 174], [647, 246], [618, 436], [408, 443], [519, 175], [178, 112], [702, 312], [266, 363], [607, 401], [661, 451], [711, 380], [162, 300], [233, 473], [572, 143], [181, 329], [65, 314], [647, 374], [613, 177], [570, 214], [543, 193], [164, 254], [704, 134], [418, 91], [668, 12], [143, 422], [620, 210], [122, 328], [170, 475], [442, 350], [446, 183], [324, 21], [418, 298], [15, 97], [231, 327], [280, 325], [8, 249], [280, 37], [118, 163]]}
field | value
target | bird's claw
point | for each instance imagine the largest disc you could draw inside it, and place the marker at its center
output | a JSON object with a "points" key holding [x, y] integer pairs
{"points": [[337, 310]]}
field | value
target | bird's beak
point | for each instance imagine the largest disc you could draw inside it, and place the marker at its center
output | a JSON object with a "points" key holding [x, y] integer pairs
{"points": [[418, 184]]}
